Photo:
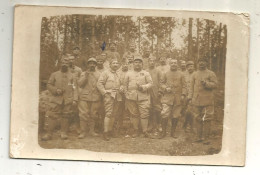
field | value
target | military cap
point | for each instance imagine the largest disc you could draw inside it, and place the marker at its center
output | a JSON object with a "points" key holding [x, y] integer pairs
{"points": [[138, 57], [189, 63], [92, 59]]}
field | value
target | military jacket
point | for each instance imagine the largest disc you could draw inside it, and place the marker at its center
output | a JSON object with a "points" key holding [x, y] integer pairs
{"points": [[64, 82], [110, 81], [132, 80], [88, 84], [174, 80], [202, 94]]}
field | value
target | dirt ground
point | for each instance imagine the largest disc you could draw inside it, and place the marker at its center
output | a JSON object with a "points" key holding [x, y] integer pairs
{"points": [[184, 145]]}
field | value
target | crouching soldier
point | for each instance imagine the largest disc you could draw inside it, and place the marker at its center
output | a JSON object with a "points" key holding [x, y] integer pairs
{"points": [[173, 88], [111, 88], [137, 83], [201, 94], [64, 96], [89, 98]]}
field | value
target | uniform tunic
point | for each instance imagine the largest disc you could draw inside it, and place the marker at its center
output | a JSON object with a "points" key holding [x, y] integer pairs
{"points": [[61, 105], [109, 81], [89, 97], [137, 102], [171, 101], [202, 95]]}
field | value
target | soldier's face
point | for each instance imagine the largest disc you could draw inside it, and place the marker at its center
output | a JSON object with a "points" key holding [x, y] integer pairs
{"points": [[104, 56], [100, 62], [114, 65], [76, 51], [91, 65], [138, 65], [173, 64], [202, 65], [71, 63], [132, 48], [113, 47], [64, 66], [130, 59], [190, 68], [146, 53], [183, 66], [163, 60], [124, 67], [151, 62]]}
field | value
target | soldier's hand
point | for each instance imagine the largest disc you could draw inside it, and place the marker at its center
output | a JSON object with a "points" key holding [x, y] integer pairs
{"points": [[59, 91], [203, 82], [74, 103], [121, 89], [168, 89]]}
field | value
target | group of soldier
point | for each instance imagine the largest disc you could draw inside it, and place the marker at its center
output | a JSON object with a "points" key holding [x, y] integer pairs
{"points": [[149, 91]]}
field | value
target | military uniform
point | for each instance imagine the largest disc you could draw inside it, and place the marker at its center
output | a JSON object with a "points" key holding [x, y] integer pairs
{"points": [[108, 84], [89, 100], [163, 68], [60, 106], [171, 101], [138, 101], [156, 105], [202, 84]]}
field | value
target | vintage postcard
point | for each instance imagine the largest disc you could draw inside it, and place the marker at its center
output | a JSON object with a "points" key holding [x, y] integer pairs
{"points": [[129, 85]]}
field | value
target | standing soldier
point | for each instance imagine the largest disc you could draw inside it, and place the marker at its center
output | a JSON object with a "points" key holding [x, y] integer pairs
{"points": [[112, 53], [156, 106], [100, 64], [76, 72], [201, 94], [64, 95], [183, 66], [132, 52], [111, 88], [137, 84], [101, 114], [188, 115], [89, 98], [163, 67], [146, 56], [173, 88]]}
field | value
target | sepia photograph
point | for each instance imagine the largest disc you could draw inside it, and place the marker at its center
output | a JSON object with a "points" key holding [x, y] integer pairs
{"points": [[131, 82]]}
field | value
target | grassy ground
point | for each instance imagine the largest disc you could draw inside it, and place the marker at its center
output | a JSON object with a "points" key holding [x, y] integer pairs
{"points": [[182, 146]]}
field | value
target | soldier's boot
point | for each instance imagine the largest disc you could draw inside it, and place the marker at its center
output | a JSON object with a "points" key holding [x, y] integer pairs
{"points": [[135, 122], [92, 128], [144, 124], [173, 129], [64, 128], [206, 132], [164, 122], [50, 126], [199, 127], [107, 121], [112, 131], [83, 127]]}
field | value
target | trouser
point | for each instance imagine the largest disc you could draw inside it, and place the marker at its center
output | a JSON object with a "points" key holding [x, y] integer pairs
{"points": [[203, 116], [174, 113], [88, 114], [58, 115], [155, 110], [113, 110], [188, 117], [139, 110]]}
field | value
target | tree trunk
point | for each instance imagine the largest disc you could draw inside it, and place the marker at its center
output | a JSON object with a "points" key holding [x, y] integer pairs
{"points": [[190, 40], [198, 44], [219, 49]]}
